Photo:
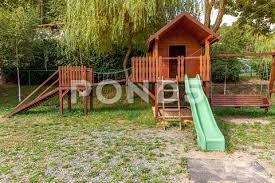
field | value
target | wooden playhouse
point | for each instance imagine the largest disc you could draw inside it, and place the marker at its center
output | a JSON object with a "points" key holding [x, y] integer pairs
{"points": [[180, 47]]}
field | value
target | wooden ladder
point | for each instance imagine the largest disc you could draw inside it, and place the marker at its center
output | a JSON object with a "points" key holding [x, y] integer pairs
{"points": [[165, 101]]}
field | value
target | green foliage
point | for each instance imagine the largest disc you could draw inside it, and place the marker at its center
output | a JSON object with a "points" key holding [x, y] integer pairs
{"points": [[100, 24], [262, 65], [16, 35], [107, 62], [241, 40], [259, 14], [233, 40], [54, 10], [228, 69]]}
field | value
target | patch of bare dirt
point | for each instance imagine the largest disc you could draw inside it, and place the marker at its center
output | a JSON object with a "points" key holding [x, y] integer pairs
{"points": [[245, 120], [2, 119]]}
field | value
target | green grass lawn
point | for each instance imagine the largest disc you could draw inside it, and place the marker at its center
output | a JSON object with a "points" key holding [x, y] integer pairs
{"points": [[120, 142]]}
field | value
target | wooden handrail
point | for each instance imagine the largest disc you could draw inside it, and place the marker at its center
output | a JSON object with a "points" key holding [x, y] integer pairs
{"points": [[47, 89], [34, 91], [174, 58]]}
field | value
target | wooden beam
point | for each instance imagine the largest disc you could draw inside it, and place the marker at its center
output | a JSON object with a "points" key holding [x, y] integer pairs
{"points": [[208, 38], [243, 55], [51, 25], [146, 90]]}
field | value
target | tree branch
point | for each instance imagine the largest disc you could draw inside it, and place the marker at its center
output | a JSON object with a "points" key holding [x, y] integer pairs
{"points": [[221, 11], [208, 9]]}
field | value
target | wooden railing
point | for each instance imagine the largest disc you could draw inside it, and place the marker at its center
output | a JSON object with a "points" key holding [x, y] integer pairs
{"points": [[145, 68], [67, 74], [151, 68], [205, 68]]}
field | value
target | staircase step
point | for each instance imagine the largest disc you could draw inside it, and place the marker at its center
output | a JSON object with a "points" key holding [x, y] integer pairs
{"points": [[169, 117], [171, 110], [170, 90], [170, 100], [169, 81], [173, 118]]}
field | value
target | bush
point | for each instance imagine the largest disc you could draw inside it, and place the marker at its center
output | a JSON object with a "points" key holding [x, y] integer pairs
{"points": [[225, 68]]}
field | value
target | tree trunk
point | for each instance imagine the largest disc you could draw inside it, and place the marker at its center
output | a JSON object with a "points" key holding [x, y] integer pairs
{"points": [[41, 11], [2, 78], [208, 4], [46, 56], [130, 45], [126, 58], [18, 72], [218, 21], [18, 83], [80, 56]]}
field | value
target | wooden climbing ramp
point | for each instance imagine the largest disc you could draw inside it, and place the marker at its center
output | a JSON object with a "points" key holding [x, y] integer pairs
{"points": [[59, 83]]}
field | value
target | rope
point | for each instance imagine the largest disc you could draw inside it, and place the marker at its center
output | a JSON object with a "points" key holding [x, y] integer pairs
{"points": [[225, 80], [101, 76]]}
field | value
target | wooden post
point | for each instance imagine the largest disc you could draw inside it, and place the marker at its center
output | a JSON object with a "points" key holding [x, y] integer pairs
{"points": [[178, 67], [206, 88], [157, 47], [85, 102], [207, 58], [60, 90], [69, 100], [91, 99], [152, 90], [272, 76], [156, 99], [201, 67], [60, 101]]}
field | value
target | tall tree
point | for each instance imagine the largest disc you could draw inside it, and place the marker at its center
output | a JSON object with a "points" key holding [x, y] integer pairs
{"points": [[17, 30], [99, 24]]}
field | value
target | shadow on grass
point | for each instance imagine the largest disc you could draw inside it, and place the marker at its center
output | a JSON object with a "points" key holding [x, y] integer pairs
{"points": [[246, 112], [79, 110]]}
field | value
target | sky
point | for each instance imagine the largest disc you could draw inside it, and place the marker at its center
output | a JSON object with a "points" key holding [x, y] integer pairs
{"points": [[228, 19]]}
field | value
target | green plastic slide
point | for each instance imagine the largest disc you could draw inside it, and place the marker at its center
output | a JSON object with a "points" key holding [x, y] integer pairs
{"points": [[209, 136]]}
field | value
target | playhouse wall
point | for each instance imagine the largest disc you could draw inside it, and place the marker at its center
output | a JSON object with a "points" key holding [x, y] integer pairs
{"points": [[179, 36]]}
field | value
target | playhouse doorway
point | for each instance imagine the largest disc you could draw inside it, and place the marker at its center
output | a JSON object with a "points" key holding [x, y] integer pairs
{"points": [[175, 51]]}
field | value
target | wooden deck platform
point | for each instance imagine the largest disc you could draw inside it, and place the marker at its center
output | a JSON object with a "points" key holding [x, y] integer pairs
{"points": [[185, 113]]}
